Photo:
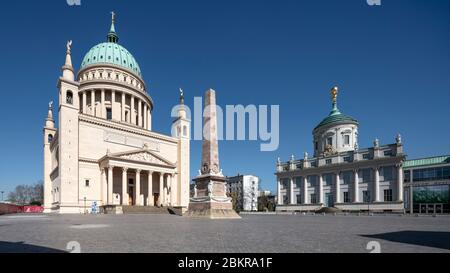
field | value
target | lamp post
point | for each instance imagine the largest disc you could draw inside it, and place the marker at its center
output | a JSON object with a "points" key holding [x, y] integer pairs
{"points": [[2, 195]]}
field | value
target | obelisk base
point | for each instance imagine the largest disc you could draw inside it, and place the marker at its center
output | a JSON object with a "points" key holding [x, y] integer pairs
{"points": [[211, 201]]}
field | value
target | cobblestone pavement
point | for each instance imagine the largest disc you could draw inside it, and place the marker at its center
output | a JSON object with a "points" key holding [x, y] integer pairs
{"points": [[252, 234]]}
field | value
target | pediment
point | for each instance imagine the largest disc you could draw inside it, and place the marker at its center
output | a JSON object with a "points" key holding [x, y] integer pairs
{"points": [[143, 156]]}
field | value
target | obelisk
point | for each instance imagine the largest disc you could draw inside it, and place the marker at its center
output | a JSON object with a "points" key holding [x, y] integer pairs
{"points": [[210, 198]]}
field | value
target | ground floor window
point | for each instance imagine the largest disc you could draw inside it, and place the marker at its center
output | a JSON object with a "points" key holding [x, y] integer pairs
{"points": [[299, 199], [313, 198], [388, 195]]}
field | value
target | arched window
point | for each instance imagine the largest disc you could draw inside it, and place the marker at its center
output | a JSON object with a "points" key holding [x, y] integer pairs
{"points": [[69, 97], [50, 138], [185, 131]]}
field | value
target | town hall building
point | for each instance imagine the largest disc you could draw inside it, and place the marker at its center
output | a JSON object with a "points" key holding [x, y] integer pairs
{"points": [[340, 175], [103, 150]]}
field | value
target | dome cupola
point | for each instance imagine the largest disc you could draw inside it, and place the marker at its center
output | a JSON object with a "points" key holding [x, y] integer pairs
{"points": [[336, 133], [112, 53]]}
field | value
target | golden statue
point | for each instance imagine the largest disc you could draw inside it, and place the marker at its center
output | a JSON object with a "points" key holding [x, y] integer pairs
{"points": [[334, 94]]}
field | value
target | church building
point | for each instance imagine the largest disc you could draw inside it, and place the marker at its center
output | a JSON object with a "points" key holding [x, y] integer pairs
{"points": [[103, 151]]}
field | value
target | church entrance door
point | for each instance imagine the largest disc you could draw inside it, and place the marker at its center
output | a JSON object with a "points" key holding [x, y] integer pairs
{"points": [[131, 192]]}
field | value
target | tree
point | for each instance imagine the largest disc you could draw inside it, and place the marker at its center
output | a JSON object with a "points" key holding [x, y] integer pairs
{"points": [[28, 194]]}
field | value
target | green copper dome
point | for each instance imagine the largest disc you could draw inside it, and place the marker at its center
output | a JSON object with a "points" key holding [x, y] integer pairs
{"points": [[111, 52], [335, 115]]}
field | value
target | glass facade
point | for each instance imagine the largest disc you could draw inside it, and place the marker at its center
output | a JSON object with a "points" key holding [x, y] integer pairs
{"points": [[430, 174], [431, 194]]}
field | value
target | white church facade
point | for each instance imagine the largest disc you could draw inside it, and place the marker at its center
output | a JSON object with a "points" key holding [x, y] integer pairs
{"points": [[103, 150]]}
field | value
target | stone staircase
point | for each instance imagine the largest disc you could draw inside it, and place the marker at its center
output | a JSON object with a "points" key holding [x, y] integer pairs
{"points": [[145, 210]]}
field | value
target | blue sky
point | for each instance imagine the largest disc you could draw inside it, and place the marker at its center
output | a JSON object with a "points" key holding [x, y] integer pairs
{"points": [[391, 62]]}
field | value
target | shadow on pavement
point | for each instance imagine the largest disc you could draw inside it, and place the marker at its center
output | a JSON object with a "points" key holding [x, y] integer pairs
{"points": [[21, 247], [434, 239]]}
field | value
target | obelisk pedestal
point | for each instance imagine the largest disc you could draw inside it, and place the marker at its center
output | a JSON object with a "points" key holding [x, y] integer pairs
{"points": [[210, 199]]}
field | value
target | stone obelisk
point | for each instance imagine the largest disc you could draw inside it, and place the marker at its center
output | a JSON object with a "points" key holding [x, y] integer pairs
{"points": [[210, 195]]}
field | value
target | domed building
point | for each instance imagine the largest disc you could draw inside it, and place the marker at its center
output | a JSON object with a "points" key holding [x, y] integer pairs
{"points": [[103, 154], [340, 175]]}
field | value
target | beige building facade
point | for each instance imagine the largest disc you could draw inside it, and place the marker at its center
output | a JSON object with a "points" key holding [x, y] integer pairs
{"points": [[103, 151]]}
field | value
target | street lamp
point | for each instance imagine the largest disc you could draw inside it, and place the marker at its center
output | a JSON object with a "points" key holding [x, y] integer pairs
{"points": [[2, 195]]}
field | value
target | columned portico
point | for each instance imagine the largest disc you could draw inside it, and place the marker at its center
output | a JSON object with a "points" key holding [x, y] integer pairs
{"points": [[136, 185]]}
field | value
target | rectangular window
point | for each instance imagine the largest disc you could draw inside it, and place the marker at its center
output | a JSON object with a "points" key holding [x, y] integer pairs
{"points": [[346, 197], [347, 177], [328, 161], [366, 156], [108, 113], [330, 141], [317, 145], [388, 153], [348, 159], [347, 140], [86, 183], [388, 195], [299, 199], [312, 180], [388, 173], [407, 176], [313, 198], [366, 175], [328, 179]]}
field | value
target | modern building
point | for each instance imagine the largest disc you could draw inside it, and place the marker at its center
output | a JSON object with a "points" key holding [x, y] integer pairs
{"points": [[427, 185], [341, 175], [103, 151], [246, 190]]}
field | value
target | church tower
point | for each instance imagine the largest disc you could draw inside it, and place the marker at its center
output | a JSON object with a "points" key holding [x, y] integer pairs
{"points": [[182, 125], [49, 134], [69, 107]]}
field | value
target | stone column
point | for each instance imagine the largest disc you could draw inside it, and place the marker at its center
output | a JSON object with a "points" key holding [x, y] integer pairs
{"points": [[145, 116], [84, 102], [110, 185], [150, 200], [291, 191], [172, 191], [356, 186], [132, 114], [161, 189], [306, 200], [113, 103], [149, 120], [93, 102], [279, 197], [104, 187], [338, 188], [139, 113], [103, 112], [400, 183], [123, 108], [377, 184], [124, 187], [137, 190], [321, 189]]}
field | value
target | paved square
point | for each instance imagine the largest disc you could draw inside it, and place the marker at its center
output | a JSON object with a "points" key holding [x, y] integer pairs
{"points": [[254, 233]]}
